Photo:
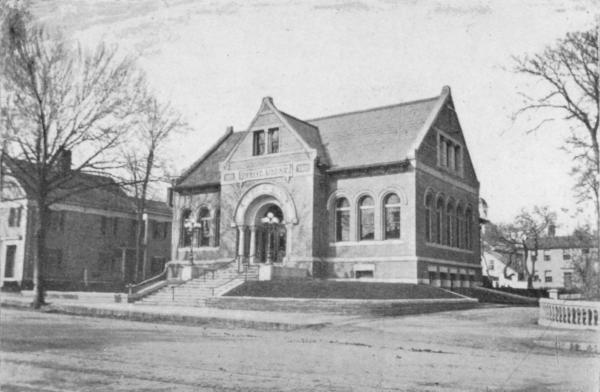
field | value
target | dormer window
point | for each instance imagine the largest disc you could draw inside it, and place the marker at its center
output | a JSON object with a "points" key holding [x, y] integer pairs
{"points": [[450, 154], [258, 143]]}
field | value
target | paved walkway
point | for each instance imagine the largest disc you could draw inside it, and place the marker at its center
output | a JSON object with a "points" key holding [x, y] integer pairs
{"points": [[184, 315]]}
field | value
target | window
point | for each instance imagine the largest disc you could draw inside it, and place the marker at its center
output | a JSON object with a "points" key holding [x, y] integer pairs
{"points": [[157, 230], [342, 220], [568, 280], [186, 235], [450, 224], [428, 218], [9, 263], [166, 230], [521, 276], [217, 227], [534, 258], [468, 228], [439, 212], [14, 217], [273, 140], [548, 276], [566, 255], [366, 218], [546, 257], [57, 220], [449, 154], [391, 206], [460, 224], [491, 265], [204, 229], [585, 251], [258, 143], [157, 265], [115, 226]]}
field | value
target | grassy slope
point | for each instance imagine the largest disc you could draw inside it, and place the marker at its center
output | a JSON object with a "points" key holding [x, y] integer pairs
{"points": [[333, 289]]}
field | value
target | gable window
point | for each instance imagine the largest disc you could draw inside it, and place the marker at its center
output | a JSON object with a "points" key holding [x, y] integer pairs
{"points": [[14, 217], [366, 209], [449, 154], [273, 140], [258, 143], [204, 229], [439, 213], [391, 206], [428, 218], [186, 236], [342, 220]]}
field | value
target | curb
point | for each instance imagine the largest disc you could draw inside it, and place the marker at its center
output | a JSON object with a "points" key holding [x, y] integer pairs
{"points": [[166, 318]]}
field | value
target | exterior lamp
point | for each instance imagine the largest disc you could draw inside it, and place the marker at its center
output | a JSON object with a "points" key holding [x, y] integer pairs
{"points": [[190, 225], [270, 218]]}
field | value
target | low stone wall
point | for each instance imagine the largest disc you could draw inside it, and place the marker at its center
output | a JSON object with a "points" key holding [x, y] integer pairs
{"points": [[384, 307], [569, 314], [83, 296]]}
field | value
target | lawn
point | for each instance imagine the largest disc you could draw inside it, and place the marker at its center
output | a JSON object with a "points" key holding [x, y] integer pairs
{"points": [[335, 289]]}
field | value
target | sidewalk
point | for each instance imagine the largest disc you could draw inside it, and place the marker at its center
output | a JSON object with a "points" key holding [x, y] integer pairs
{"points": [[209, 317]]}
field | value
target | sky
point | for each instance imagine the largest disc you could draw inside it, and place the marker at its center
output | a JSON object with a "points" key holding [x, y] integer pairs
{"points": [[215, 61]]}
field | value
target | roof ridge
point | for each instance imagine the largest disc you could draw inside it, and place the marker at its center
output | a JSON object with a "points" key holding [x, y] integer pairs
{"points": [[374, 108]]}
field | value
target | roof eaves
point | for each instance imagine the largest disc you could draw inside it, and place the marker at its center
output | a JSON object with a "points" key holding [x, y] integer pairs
{"points": [[404, 162]]}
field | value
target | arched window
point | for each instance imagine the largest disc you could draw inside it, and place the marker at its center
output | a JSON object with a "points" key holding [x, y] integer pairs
{"points": [[204, 229], [186, 235], [458, 237], [366, 210], [450, 224], [468, 228], [217, 227], [428, 218], [439, 226], [342, 219], [391, 211]]}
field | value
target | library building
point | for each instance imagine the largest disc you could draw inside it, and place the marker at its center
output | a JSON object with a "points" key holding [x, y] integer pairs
{"points": [[385, 194]]}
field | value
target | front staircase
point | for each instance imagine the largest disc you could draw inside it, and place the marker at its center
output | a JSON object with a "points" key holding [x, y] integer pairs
{"points": [[194, 292]]}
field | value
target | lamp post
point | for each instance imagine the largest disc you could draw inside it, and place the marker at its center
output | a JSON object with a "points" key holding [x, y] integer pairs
{"points": [[270, 219], [190, 225]]}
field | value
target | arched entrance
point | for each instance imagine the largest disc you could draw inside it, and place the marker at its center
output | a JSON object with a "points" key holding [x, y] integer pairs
{"points": [[270, 235], [264, 218]]}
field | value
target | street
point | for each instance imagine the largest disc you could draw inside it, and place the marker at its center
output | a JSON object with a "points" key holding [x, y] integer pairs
{"points": [[490, 348]]}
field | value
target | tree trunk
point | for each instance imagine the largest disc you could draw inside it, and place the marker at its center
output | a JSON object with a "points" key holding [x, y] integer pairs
{"points": [[40, 256]]}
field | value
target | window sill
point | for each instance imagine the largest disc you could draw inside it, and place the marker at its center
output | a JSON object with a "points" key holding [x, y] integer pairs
{"points": [[446, 247], [367, 243], [199, 248]]}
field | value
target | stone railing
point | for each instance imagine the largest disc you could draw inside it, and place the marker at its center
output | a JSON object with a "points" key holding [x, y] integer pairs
{"points": [[569, 314]]}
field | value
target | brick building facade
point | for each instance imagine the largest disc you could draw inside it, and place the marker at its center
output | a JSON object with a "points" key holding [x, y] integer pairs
{"points": [[388, 193], [90, 241]]}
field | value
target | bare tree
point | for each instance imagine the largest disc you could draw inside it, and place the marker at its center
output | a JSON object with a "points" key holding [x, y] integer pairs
{"points": [[158, 122], [520, 239], [57, 98], [569, 72]]}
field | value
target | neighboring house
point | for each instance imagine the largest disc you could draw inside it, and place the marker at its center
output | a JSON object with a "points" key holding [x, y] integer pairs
{"points": [[388, 193], [91, 236], [554, 263], [494, 267]]}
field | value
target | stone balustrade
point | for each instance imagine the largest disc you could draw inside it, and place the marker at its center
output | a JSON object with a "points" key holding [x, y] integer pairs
{"points": [[569, 314]]}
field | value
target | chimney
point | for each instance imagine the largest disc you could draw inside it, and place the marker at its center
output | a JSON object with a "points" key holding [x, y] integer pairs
{"points": [[65, 161], [551, 230], [229, 129]]}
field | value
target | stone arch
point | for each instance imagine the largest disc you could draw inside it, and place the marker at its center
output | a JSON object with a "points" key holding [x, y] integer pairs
{"points": [[398, 191], [260, 195]]}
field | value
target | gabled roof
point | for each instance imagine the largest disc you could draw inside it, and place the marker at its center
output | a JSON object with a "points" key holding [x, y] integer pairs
{"points": [[377, 136], [85, 190]]}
